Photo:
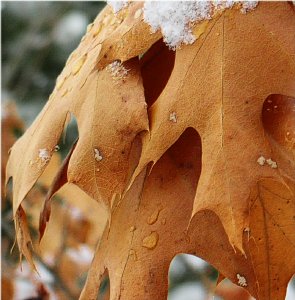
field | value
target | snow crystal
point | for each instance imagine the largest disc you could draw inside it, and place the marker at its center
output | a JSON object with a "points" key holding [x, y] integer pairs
{"points": [[241, 280], [117, 70], [172, 117], [261, 160], [272, 163], [175, 18], [221, 5], [117, 5], [248, 5], [44, 154], [97, 155]]}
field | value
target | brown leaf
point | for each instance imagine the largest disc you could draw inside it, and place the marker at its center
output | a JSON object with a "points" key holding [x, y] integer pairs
{"points": [[216, 167], [271, 239], [215, 88], [136, 253], [59, 180], [23, 236]]}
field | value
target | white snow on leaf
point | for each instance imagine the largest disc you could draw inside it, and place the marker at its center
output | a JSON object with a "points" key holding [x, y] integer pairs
{"points": [[175, 18], [44, 154], [117, 5], [117, 70], [248, 5], [241, 280]]}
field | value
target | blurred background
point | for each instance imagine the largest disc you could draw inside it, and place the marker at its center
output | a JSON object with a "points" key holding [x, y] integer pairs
{"points": [[37, 38]]}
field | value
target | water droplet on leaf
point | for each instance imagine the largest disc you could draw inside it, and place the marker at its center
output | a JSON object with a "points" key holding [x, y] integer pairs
{"points": [[78, 64], [153, 218], [151, 241]]}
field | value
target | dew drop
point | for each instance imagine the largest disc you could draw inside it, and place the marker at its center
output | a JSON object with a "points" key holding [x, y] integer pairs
{"points": [[89, 27], [107, 19], [97, 30], [78, 64], [60, 82], [137, 14], [64, 92], [153, 218], [151, 241]]}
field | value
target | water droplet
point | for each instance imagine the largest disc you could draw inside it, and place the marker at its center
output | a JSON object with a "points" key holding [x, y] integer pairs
{"points": [[60, 82], [107, 19], [72, 55], [151, 241], [137, 13], [153, 218], [78, 64], [113, 21], [89, 27], [97, 30], [64, 92], [132, 228], [133, 253]]}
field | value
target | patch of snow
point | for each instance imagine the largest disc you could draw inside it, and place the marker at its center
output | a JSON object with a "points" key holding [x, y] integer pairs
{"points": [[172, 117], [117, 70], [261, 160], [248, 5], [175, 18], [241, 280], [221, 5], [272, 163], [23, 289], [117, 5], [44, 154], [83, 255], [97, 155]]}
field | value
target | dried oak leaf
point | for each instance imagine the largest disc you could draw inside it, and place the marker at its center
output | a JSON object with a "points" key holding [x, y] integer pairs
{"points": [[206, 133], [99, 164]]}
